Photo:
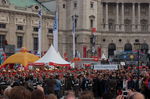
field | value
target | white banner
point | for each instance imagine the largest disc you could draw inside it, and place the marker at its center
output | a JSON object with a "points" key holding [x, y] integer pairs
{"points": [[55, 32], [106, 67]]}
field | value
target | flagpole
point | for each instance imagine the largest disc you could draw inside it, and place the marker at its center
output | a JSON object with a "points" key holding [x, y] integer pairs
{"points": [[74, 24], [40, 32], [74, 45]]}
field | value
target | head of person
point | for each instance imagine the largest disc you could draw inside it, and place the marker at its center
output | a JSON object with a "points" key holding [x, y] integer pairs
{"points": [[37, 94], [86, 95], [51, 96], [4, 97], [7, 91], [136, 95], [70, 95], [19, 92]]}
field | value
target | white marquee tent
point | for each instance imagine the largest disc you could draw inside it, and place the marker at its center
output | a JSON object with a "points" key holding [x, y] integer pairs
{"points": [[52, 57]]}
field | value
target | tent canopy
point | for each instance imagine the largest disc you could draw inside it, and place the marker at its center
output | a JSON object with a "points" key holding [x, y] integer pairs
{"points": [[103, 57], [52, 56], [22, 57]]}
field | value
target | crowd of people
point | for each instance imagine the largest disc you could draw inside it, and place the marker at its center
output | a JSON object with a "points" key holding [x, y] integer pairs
{"points": [[69, 84]]}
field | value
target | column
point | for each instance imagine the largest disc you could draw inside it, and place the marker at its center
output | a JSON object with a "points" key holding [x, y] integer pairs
{"points": [[149, 19], [106, 20], [117, 17], [139, 17], [133, 17], [122, 15]]}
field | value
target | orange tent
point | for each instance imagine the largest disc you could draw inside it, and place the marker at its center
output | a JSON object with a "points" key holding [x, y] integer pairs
{"points": [[22, 57]]}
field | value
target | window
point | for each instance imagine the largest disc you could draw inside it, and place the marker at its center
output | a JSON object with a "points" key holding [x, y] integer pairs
{"points": [[35, 29], [19, 41], [19, 27], [91, 18], [120, 40], [128, 25], [50, 30], [111, 24], [144, 25], [35, 43], [136, 40], [127, 10], [2, 41], [104, 40], [92, 4], [2, 25], [75, 4], [91, 23], [64, 6]]}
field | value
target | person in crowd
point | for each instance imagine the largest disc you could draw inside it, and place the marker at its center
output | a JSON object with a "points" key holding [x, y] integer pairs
{"points": [[3, 97], [57, 87], [86, 95], [51, 96], [132, 95], [37, 94], [69, 95], [19, 92], [49, 85], [7, 91]]}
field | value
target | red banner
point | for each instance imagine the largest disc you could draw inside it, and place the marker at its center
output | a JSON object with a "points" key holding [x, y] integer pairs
{"points": [[93, 30], [84, 52], [99, 52]]}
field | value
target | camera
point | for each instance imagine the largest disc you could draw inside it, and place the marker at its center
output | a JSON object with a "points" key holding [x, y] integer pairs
{"points": [[125, 93]]}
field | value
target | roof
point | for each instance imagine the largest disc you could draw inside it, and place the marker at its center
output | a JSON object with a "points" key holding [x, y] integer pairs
{"points": [[51, 5], [23, 3], [48, 6]]}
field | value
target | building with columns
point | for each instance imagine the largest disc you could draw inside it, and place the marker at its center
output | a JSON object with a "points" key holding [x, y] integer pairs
{"points": [[119, 25], [19, 22]]}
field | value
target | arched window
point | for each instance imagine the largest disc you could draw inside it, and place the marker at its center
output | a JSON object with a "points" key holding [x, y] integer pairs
{"points": [[144, 25], [128, 47], [111, 24], [144, 48], [128, 26], [92, 18], [111, 49]]}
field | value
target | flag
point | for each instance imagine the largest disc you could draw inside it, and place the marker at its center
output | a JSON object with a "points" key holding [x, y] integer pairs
{"points": [[39, 32], [73, 34], [73, 25], [40, 12], [55, 32]]}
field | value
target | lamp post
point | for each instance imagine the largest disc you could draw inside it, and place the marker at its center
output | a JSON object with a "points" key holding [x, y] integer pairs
{"points": [[137, 46], [93, 42]]}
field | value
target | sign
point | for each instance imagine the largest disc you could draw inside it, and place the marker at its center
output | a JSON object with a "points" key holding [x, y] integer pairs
{"points": [[106, 67], [10, 49]]}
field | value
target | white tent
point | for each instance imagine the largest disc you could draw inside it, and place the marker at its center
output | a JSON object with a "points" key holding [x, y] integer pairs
{"points": [[103, 57], [52, 56]]}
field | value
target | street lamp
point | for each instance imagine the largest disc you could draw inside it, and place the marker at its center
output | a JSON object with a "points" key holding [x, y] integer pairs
{"points": [[137, 46], [93, 41]]}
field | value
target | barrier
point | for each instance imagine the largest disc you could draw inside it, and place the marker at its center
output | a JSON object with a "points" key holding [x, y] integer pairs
{"points": [[106, 67]]}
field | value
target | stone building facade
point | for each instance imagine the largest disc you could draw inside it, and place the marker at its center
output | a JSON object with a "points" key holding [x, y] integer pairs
{"points": [[118, 23], [19, 23]]}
